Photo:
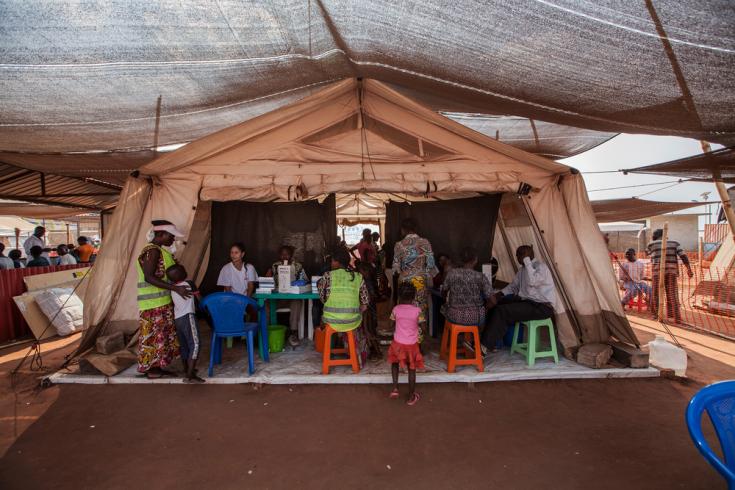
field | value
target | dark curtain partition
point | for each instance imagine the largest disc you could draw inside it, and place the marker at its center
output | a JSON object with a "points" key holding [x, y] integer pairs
{"points": [[308, 226], [449, 225]]}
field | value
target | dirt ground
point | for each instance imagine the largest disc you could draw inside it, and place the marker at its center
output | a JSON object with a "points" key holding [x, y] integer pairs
{"points": [[616, 433]]}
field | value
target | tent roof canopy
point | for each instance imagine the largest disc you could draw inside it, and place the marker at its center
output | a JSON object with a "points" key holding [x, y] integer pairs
{"points": [[718, 164], [38, 211], [630, 209], [136, 74], [353, 136]]}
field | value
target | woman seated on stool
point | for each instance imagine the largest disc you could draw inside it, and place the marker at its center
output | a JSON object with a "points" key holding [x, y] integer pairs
{"points": [[286, 258], [237, 276], [467, 292], [343, 289]]}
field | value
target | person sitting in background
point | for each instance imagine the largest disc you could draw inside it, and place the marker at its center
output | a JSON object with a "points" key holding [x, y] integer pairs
{"points": [[286, 254], [84, 250], [15, 255], [531, 296], [65, 258], [237, 276], [631, 274], [5, 262], [46, 254], [38, 260], [467, 292], [444, 264], [73, 251]]}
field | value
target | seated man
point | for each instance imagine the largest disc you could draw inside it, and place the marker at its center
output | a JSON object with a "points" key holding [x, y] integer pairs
{"points": [[533, 298], [38, 259], [631, 273]]}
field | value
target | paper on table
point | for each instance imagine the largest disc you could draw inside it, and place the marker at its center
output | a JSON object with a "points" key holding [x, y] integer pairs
{"points": [[286, 275], [487, 271]]}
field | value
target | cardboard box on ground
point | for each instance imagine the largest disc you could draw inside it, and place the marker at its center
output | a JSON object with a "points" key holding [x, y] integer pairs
{"points": [[34, 317]]}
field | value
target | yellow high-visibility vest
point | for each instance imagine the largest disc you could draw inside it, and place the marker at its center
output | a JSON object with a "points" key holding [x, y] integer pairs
{"points": [[150, 296], [342, 309]]}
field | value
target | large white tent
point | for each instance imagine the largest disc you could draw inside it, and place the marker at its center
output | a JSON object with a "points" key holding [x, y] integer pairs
{"points": [[360, 137]]}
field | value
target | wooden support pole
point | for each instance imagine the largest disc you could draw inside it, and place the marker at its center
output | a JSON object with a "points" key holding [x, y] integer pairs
{"points": [[701, 252], [726, 206], [68, 234], [661, 272], [722, 191], [17, 238]]}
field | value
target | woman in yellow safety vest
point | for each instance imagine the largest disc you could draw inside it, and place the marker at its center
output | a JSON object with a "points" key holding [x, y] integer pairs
{"points": [[157, 343], [345, 296]]}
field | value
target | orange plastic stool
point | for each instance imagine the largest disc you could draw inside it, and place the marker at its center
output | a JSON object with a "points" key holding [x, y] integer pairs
{"points": [[450, 350], [327, 360]]}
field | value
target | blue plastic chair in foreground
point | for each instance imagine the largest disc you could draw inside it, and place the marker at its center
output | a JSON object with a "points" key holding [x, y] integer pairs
{"points": [[228, 320], [718, 400]]}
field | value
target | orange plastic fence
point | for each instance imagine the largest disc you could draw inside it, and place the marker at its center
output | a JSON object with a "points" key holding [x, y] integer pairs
{"points": [[705, 301]]}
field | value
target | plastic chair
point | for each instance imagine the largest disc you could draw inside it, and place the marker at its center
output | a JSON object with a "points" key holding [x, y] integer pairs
{"points": [[228, 320], [450, 349], [530, 349], [718, 400], [351, 350]]}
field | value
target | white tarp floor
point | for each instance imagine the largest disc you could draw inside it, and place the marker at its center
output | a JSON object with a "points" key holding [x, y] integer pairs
{"points": [[303, 366]]}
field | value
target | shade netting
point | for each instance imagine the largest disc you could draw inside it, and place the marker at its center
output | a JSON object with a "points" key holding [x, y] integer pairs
{"points": [[135, 74]]}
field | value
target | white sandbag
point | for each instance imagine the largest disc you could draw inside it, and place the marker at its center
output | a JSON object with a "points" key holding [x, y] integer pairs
{"points": [[63, 307]]}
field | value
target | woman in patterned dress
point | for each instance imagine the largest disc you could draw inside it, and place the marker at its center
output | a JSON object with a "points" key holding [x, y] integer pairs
{"points": [[157, 343], [413, 261], [467, 292]]}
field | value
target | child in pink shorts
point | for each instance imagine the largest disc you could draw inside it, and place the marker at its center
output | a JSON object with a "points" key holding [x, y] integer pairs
{"points": [[404, 350]]}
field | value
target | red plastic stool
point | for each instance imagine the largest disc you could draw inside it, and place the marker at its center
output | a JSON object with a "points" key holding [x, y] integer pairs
{"points": [[449, 348], [327, 360], [637, 301]]}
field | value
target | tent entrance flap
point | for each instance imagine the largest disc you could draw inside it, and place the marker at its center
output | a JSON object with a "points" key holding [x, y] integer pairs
{"points": [[449, 225], [310, 227]]}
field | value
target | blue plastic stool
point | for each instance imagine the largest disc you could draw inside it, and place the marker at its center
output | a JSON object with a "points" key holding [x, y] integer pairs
{"points": [[507, 340], [228, 312], [718, 400]]}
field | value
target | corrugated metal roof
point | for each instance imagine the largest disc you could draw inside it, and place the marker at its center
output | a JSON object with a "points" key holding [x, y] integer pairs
{"points": [[23, 184], [113, 167]]}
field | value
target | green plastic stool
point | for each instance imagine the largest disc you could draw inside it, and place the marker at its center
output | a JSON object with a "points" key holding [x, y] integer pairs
{"points": [[529, 349]]}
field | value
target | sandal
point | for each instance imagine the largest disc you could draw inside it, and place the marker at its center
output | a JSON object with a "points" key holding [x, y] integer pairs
{"points": [[394, 394], [413, 400]]}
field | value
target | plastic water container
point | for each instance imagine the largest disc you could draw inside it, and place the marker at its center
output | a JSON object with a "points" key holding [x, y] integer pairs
{"points": [[664, 355]]}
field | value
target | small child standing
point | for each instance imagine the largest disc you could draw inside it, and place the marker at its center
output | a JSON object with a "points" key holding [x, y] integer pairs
{"points": [[186, 323], [404, 350]]}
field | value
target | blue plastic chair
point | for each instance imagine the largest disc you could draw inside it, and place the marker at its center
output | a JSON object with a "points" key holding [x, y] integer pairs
{"points": [[718, 400], [228, 320]]}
